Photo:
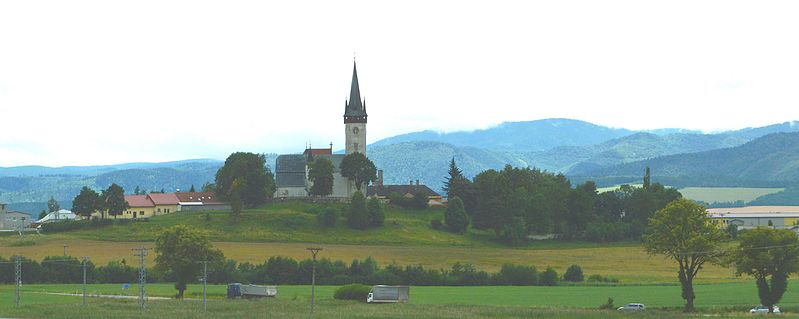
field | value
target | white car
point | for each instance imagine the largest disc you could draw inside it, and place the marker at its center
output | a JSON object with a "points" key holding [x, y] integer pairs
{"points": [[763, 309], [634, 307]]}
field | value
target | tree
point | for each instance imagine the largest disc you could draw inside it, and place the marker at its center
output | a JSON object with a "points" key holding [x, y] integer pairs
{"points": [[375, 212], [87, 202], [192, 190], [258, 184], [180, 249], [455, 216], [113, 200], [234, 197], [574, 274], [320, 172], [52, 205], [137, 191], [682, 231], [208, 187], [455, 175], [647, 178], [42, 214], [769, 255], [359, 169], [358, 216]]}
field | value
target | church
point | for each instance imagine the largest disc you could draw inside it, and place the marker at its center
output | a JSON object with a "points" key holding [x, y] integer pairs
{"points": [[291, 170]]}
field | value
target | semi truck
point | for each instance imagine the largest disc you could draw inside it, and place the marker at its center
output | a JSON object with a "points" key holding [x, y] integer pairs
{"points": [[237, 290], [383, 293]]}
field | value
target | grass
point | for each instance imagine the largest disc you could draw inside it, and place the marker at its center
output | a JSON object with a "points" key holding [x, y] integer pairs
{"points": [[426, 302], [726, 194]]}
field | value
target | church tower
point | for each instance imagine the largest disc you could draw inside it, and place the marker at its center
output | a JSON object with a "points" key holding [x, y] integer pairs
{"points": [[355, 118]]}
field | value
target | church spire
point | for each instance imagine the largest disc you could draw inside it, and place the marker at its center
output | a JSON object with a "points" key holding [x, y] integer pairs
{"points": [[354, 110]]}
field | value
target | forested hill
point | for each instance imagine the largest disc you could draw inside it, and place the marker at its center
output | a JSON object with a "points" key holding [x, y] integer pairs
{"points": [[537, 135], [771, 160]]}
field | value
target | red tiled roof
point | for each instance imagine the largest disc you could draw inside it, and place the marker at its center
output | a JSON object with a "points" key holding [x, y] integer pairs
{"points": [[139, 201], [164, 199], [318, 151]]}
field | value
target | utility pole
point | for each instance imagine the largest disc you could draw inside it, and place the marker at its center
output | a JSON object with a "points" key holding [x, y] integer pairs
{"points": [[141, 252], [205, 283], [85, 261], [65, 249], [314, 251], [17, 278]]}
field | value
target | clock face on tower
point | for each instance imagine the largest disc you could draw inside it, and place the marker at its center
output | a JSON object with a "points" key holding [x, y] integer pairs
{"points": [[355, 130]]}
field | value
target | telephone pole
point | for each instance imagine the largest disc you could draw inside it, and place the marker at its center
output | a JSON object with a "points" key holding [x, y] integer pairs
{"points": [[17, 278], [205, 283], [314, 251], [85, 261], [141, 252]]}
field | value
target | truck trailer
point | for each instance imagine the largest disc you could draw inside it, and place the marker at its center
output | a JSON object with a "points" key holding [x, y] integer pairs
{"points": [[237, 290], [383, 293]]}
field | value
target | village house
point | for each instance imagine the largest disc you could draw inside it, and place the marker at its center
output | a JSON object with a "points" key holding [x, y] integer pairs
{"points": [[382, 192], [757, 216], [200, 201]]}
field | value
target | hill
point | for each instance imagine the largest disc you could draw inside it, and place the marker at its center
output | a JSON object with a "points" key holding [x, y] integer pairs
{"points": [[537, 135], [772, 160]]}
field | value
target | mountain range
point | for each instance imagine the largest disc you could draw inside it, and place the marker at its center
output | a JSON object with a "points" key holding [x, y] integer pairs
{"points": [[762, 156]]}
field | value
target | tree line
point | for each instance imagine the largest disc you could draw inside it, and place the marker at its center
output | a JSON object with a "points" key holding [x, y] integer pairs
{"points": [[517, 202]]}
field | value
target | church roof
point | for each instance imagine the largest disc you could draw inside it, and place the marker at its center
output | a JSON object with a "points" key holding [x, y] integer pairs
{"points": [[290, 163], [355, 107], [386, 190], [290, 179]]}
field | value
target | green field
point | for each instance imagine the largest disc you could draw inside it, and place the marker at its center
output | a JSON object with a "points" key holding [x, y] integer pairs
{"points": [[726, 194], [429, 301]]}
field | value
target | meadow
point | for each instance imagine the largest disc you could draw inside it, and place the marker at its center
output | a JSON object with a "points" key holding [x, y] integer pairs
{"points": [[726, 194], [663, 301]]}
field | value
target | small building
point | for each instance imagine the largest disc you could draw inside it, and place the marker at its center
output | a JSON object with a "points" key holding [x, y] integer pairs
{"points": [[16, 220], [200, 201], [382, 192], [140, 207], [164, 203], [60, 215], [757, 216]]}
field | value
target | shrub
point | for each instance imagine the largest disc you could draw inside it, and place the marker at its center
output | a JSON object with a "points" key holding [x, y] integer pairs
{"points": [[601, 279], [515, 233], [436, 224], [358, 216], [608, 305], [548, 277], [327, 217], [375, 212], [517, 275], [352, 292], [455, 216], [574, 274]]}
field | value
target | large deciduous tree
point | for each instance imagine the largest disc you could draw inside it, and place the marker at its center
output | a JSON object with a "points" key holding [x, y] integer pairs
{"points": [[359, 169], [113, 200], [258, 185], [87, 202], [682, 231], [769, 255], [320, 172], [181, 249]]}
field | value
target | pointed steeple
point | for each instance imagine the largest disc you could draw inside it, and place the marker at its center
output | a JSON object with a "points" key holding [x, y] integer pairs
{"points": [[354, 110]]}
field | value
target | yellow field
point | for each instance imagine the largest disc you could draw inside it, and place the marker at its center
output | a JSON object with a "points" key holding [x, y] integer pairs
{"points": [[726, 194], [630, 264]]}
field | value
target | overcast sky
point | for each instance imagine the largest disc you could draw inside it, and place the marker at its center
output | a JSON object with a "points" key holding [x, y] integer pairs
{"points": [[102, 82]]}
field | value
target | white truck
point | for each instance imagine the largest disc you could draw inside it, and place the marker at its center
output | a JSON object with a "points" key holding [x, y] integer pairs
{"points": [[236, 290], [383, 293]]}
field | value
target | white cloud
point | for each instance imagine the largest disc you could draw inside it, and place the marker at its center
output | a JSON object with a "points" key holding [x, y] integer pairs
{"points": [[102, 81]]}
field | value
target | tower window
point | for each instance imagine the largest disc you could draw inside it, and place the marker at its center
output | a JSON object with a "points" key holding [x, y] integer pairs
{"points": [[356, 147]]}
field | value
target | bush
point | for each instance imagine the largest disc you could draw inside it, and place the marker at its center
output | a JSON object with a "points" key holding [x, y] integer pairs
{"points": [[455, 216], [548, 277], [517, 275], [436, 224], [601, 279], [514, 233], [608, 305], [574, 274], [358, 215], [353, 292], [375, 212], [327, 217]]}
